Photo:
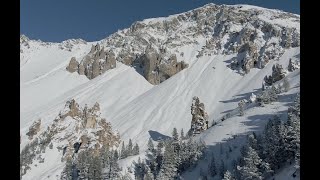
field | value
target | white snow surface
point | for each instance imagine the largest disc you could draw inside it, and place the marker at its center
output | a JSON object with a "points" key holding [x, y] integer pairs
{"points": [[138, 109]]}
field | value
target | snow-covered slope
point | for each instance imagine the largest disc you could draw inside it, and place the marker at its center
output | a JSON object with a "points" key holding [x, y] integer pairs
{"points": [[137, 108]]}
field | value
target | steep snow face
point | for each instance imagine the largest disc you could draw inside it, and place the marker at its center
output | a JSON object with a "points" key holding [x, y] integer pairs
{"points": [[209, 39]]}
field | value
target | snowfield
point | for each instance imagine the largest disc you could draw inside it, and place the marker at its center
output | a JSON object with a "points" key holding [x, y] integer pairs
{"points": [[140, 110]]}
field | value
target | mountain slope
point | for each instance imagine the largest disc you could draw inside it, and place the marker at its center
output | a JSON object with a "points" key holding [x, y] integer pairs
{"points": [[210, 39]]}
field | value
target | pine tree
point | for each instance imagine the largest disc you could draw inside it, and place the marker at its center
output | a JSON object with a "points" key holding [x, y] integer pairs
{"points": [[115, 155], [175, 134], [113, 169], [212, 169], [151, 157], [241, 107], [222, 168], [140, 169], [123, 151], [273, 146], [136, 149], [159, 157], [67, 173], [148, 175], [95, 169], [251, 163], [182, 134], [169, 167], [130, 148], [228, 176], [203, 175]]}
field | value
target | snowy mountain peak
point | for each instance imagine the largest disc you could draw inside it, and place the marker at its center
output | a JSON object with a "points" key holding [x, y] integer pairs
{"points": [[241, 61]]}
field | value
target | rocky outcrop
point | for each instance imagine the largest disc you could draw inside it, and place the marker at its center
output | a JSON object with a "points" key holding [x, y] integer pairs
{"points": [[74, 129], [96, 62], [73, 65], [253, 35], [199, 120], [34, 129], [158, 67]]}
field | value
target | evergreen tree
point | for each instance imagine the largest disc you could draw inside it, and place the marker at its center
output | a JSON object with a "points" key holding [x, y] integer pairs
{"points": [[95, 169], [273, 146], [222, 168], [83, 165], [182, 134], [148, 175], [113, 169], [212, 169], [251, 163], [159, 157], [130, 148], [136, 149], [67, 173], [115, 155], [241, 105], [140, 169], [175, 134], [169, 166], [203, 175], [228, 176], [151, 157], [123, 151]]}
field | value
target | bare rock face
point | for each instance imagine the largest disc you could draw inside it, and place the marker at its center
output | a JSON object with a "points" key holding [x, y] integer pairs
{"points": [[96, 62], [199, 120], [34, 129], [158, 68], [73, 65]]}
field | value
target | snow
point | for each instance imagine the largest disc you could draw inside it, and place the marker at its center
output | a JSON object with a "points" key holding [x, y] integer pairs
{"points": [[136, 108]]}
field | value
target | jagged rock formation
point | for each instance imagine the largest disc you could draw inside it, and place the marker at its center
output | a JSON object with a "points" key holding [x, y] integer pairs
{"points": [[96, 62], [33, 129], [74, 129], [292, 66], [199, 120], [254, 35], [158, 67], [278, 73]]}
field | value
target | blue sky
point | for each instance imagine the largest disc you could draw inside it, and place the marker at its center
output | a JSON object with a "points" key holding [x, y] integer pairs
{"points": [[91, 20]]}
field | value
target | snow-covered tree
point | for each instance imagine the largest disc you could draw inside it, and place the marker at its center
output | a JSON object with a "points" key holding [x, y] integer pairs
{"points": [[241, 105], [273, 142], [169, 166], [251, 163], [182, 134], [212, 168], [140, 169], [135, 150], [175, 134], [228, 176], [130, 148], [222, 168], [203, 175], [67, 173], [199, 120], [123, 152], [148, 175], [151, 157]]}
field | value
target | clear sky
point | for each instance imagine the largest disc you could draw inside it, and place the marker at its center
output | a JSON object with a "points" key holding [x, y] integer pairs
{"points": [[91, 20]]}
